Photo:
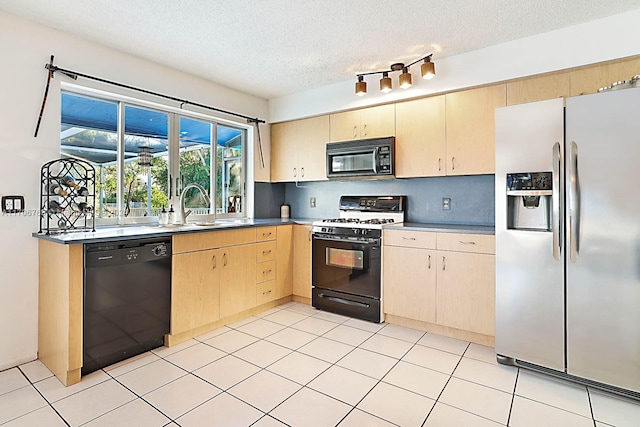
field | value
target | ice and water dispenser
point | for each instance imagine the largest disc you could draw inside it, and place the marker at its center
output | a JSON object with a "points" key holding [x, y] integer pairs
{"points": [[529, 201]]}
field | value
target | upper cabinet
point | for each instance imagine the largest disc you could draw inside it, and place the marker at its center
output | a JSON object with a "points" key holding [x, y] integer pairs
{"points": [[470, 127], [366, 123], [590, 79], [420, 138], [298, 150], [557, 85]]}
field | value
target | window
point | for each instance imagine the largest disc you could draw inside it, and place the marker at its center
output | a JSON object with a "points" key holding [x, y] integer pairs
{"points": [[206, 153]]}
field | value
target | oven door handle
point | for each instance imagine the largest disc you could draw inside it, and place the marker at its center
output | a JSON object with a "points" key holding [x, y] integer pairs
{"points": [[373, 242], [344, 301]]}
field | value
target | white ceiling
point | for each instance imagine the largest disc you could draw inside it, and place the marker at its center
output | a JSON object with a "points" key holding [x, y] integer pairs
{"points": [[271, 48]]}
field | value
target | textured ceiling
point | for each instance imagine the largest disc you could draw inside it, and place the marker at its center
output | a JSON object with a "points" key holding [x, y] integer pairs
{"points": [[271, 48]]}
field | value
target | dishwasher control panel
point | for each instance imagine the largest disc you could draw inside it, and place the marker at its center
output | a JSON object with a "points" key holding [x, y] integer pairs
{"points": [[160, 250]]}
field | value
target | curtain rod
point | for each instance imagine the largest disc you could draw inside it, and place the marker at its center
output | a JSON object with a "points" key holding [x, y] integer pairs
{"points": [[74, 75]]}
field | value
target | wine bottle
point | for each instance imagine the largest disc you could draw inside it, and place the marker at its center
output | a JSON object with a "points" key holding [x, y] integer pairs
{"points": [[81, 207], [70, 181], [54, 188], [54, 207], [83, 191]]}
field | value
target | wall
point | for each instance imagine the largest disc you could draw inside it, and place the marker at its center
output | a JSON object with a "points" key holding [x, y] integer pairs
{"points": [[268, 199], [25, 48], [472, 197], [596, 41]]}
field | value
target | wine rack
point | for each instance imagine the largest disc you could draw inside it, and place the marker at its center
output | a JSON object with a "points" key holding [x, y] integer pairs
{"points": [[67, 196]]}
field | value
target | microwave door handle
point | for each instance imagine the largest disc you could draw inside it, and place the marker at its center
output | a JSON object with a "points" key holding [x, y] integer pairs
{"points": [[375, 160]]}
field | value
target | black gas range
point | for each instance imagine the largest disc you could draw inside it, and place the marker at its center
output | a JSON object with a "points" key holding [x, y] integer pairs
{"points": [[346, 256]]}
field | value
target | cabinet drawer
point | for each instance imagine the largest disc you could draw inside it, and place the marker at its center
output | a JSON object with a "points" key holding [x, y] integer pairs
{"points": [[410, 239], [265, 292], [212, 239], [266, 271], [266, 251], [476, 243], [266, 233]]}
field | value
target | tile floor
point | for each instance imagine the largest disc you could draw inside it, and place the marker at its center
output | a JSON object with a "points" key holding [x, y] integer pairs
{"points": [[297, 366]]}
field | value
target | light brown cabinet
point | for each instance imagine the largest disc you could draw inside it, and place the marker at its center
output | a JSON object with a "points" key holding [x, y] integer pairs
{"points": [[298, 150], [420, 138], [590, 79], [237, 279], [410, 282], [446, 279], [372, 122], [470, 127], [557, 85], [195, 290], [284, 261], [302, 261]]}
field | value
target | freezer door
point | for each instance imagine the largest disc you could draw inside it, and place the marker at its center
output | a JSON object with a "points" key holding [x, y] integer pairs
{"points": [[529, 272], [603, 217]]}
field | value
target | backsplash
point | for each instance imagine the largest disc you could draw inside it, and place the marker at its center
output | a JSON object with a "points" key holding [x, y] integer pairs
{"points": [[472, 197]]}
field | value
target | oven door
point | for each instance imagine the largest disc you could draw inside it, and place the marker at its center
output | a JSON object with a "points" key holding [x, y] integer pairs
{"points": [[346, 277]]}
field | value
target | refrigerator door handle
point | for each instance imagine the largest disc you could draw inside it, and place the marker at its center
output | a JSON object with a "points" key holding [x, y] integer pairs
{"points": [[555, 202], [574, 201]]}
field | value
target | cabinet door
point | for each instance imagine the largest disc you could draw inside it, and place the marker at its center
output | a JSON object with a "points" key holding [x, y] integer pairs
{"points": [[312, 149], [466, 291], [237, 266], [409, 283], [302, 260], [471, 129], [284, 152], [556, 85], [378, 121], [195, 291], [284, 261], [344, 126], [420, 138], [590, 79]]}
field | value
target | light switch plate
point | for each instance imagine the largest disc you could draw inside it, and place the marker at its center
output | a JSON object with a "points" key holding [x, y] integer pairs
{"points": [[312, 202], [12, 204]]}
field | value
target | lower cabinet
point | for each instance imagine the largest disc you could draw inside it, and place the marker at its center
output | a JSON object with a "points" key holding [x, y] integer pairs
{"points": [[195, 290], [302, 261], [237, 279], [446, 279], [410, 283]]}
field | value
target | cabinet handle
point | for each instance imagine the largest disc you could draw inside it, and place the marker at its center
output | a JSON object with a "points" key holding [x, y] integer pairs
{"points": [[213, 258], [266, 252], [466, 243], [265, 272], [355, 131], [439, 164], [408, 238], [295, 172], [444, 264], [266, 293], [266, 235], [365, 130], [309, 235], [429, 262], [302, 172], [224, 259], [453, 163]]}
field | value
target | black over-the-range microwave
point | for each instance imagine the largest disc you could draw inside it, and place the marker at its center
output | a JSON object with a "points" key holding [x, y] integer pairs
{"points": [[364, 158]]}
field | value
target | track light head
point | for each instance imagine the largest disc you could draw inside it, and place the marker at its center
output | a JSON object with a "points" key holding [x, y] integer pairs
{"points": [[428, 69], [361, 86], [385, 83], [405, 78]]}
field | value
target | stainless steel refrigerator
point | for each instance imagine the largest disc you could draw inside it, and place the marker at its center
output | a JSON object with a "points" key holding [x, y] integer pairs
{"points": [[568, 238]]}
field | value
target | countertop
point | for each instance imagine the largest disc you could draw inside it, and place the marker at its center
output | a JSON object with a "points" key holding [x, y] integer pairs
{"points": [[444, 228], [138, 231]]}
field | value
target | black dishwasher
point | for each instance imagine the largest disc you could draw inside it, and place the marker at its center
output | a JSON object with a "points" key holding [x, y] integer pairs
{"points": [[127, 299]]}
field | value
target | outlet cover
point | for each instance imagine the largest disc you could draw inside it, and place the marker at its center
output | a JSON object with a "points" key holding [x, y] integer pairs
{"points": [[446, 204], [312, 202], [12, 204]]}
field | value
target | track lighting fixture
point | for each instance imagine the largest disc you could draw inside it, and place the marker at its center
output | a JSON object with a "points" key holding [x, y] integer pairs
{"points": [[427, 70], [361, 86]]}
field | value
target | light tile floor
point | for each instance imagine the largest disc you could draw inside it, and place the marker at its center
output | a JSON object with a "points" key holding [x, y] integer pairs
{"points": [[297, 366]]}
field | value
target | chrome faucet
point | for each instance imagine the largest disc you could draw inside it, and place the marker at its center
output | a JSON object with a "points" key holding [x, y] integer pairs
{"points": [[181, 217]]}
